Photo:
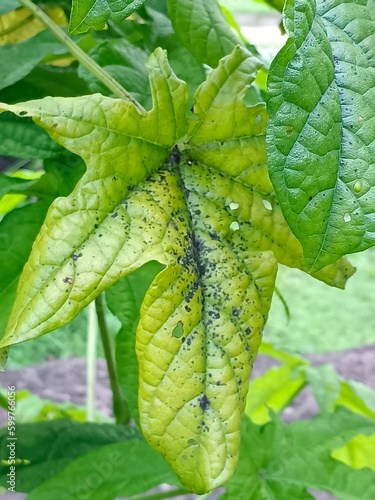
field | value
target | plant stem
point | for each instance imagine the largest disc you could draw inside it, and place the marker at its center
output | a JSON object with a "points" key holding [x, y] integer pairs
{"points": [[86, 61], [120, 406], [92, 332], [161, 496]]}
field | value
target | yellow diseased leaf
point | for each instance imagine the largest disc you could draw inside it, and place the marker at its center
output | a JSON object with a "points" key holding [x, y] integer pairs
{"points": [[20, 25]]}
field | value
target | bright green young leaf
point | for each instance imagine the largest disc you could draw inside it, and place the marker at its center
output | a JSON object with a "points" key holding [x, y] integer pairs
{"points": [[321, 134], [282, 461], [358, 397], [18, 230], [358, 453], [273, 391], [203, 29], [94, 14], [117, 470], [124, 299], [118, 137], [46, 448]]}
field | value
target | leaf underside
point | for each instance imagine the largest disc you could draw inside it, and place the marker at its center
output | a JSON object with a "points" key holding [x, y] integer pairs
{"points": [[321, 134], [207, 214]]}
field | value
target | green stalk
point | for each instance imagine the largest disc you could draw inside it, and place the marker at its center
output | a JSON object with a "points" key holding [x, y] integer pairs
{"points": [[120, 406], [81, 56], [92, 332]]}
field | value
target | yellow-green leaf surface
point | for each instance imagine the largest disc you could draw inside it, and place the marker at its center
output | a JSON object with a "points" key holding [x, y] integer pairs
{"points": [[358, 452], [75, 256], [209, 217]]}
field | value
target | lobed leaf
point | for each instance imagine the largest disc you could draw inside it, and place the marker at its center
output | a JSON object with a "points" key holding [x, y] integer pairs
{"points": [[120, 148], [321, 134], [282, 461], [94, 14]]}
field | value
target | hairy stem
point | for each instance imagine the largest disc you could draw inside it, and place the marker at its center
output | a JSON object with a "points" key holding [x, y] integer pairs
{"points": [[120, 406], [80, 55]]}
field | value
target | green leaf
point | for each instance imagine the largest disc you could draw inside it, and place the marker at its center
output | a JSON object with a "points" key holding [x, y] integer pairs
{"points": [[94, 14], [357, 453], [18, 230], [203, 29], [8, 5], [282, 461], [321, 148], [30, 52], [357, 397], [273, 391], [22, 139], [46, 448], [118, 135], [60, 177], [121, 469], [325, 385], [124, 62], [124, 299]]}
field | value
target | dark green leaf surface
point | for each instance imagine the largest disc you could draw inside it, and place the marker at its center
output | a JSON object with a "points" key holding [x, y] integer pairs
{"points": [[120, 469], [280, 462], [30, 52], [8, 5], [94, 14], [23, 139], [203, 29], [321, 134], [126, 63], [51, 446]]}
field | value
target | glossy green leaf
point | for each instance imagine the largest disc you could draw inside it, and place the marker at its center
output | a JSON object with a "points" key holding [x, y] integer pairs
{"points": [[18, 230], [357, 453], [121, 469], [321, 134], [46, 448], [203, 29], [282, 461], [30, 52], [124, 299], [94, 14]]}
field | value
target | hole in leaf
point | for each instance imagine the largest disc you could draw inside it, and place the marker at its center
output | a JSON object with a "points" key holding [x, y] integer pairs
{"points": [[178, 330]]}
